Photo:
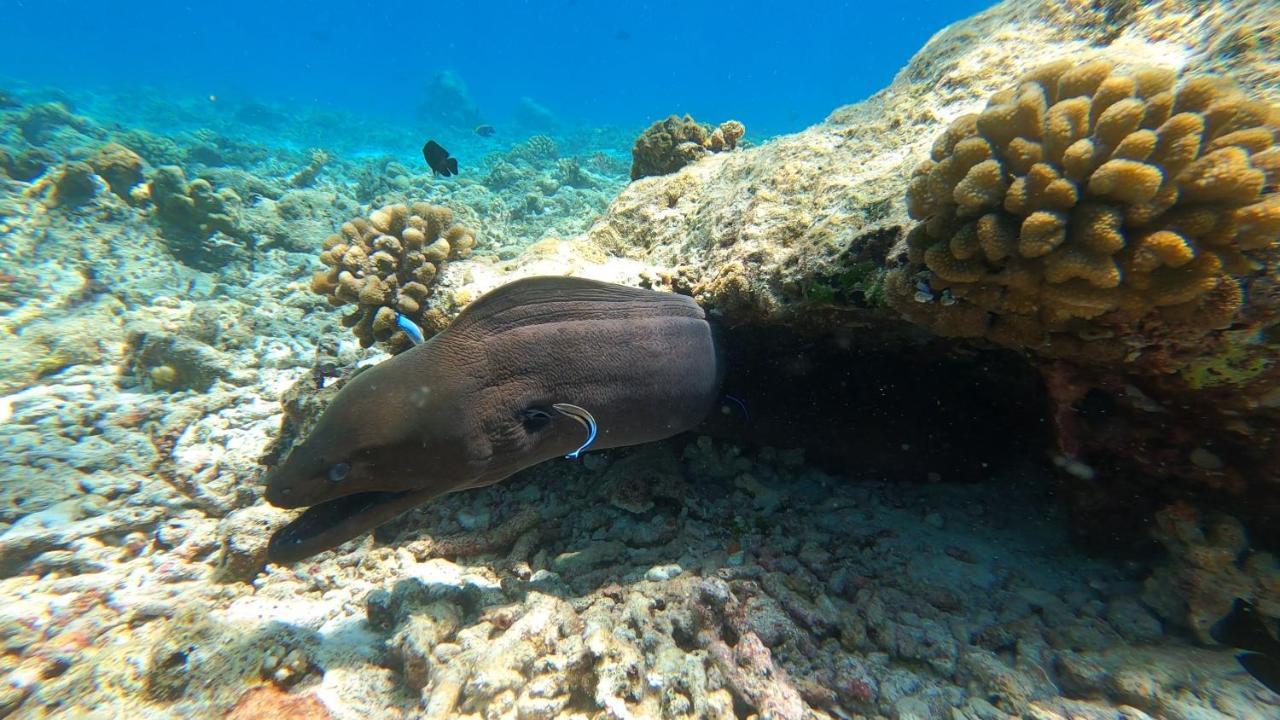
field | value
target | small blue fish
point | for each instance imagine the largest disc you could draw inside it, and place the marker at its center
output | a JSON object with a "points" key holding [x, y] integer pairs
{"points": [[413, 331], [583, 417]]}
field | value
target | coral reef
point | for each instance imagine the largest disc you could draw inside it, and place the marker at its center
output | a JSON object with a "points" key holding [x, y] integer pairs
{"points": [[202, 225], [42, 123], [668, 145], [1089, 211], [172, 362], [533, 115], [119, 166], [1210, 563], [503, 174], [75, 184], [210, 148], [155, 149], [307, 175], [27, 164], [572, 174], [693, 578], [809, 230], [537, 151], [387, 264], [294, 219]]}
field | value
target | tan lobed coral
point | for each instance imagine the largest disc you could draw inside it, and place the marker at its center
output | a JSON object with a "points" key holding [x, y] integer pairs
{"points": [[200, 225], [668, 145], [307, 175], [386, 264], [119, 166], [73, 186], [1087, 201], [194, 208]]}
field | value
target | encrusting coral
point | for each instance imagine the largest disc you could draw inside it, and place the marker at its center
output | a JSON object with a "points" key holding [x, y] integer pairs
{"points": [[386, 264], [74, 185], [307, 175], [668, 145], [192, 213], [1211, 562], [119, 166], [25, 165], [1091, 203]]}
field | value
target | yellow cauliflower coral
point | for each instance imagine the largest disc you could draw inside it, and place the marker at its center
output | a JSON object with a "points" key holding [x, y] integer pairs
{"points": [[386, 264], [1087, 200]]}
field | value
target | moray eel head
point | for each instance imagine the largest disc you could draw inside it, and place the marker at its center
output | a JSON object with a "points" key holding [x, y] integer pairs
{"points": [[357, 469]]}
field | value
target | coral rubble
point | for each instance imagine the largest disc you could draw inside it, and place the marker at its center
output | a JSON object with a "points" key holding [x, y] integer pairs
{"points": [[1210, 563]]}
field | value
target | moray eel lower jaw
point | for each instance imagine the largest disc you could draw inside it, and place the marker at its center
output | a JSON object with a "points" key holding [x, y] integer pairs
{"points": [[329, 524]]}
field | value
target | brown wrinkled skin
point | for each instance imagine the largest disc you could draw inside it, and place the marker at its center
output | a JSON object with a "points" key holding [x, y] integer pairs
{"points": [[450, 414]]}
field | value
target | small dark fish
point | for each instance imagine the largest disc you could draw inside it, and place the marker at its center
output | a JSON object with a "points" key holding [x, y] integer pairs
{"points": [[623, 35], [1244, 629], [438, 159], [485, 130]]}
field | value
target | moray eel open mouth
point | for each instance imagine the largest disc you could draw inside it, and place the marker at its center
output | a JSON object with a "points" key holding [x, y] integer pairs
{"points": [[333, 522]]}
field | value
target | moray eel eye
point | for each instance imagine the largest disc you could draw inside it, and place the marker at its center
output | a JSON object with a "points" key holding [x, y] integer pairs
{"points": [[536, 419], [338, 472]]}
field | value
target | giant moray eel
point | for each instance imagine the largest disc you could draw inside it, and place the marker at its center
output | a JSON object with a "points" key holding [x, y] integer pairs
{"points": [[526, 373]]}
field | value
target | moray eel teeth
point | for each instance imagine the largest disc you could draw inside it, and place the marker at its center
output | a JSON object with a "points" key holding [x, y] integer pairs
{"points": [[477, 403], [298, 539]]}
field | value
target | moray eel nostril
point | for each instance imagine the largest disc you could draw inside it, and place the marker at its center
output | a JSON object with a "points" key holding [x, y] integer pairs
{"points": [[539, 368]]}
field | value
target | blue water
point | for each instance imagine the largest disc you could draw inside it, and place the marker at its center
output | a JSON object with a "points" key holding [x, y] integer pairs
{"points": [[778, 67]]}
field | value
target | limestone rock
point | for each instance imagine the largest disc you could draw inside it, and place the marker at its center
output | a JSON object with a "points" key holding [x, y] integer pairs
{"points": [[242, 538]]}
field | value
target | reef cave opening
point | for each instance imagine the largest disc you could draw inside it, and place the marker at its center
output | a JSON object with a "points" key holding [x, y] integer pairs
{"points": [[915, 410]]}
